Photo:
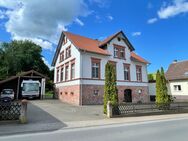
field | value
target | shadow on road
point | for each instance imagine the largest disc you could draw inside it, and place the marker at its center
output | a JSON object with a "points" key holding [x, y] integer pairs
{"points": [[38, 121]]}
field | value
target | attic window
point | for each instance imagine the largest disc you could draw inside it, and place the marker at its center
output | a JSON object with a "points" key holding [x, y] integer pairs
{"points": [[119, 39]]}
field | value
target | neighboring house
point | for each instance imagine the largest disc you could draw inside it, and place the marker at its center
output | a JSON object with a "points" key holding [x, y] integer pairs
{"points": [[79, 73], [177, 76]]}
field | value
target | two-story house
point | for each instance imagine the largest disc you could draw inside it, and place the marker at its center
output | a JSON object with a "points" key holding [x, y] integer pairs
{"points": [[79, 73]]}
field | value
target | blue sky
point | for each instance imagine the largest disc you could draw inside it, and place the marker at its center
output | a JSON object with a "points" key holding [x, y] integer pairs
{"points": [[156, 28]]}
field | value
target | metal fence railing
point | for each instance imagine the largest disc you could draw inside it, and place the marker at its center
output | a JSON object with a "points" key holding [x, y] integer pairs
{"points": [[10, 110], [146, 108]]}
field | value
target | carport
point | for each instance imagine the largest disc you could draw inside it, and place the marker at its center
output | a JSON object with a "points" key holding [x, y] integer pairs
{"points": [[15, 82]]}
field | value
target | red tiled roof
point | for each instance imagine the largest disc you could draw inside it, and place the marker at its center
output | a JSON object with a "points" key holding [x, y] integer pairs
{"points": [[91, 45], [135, 57], [85, 43], [108, 39]]}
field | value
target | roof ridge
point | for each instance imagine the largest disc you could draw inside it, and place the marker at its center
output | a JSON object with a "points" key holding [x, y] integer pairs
{"points": [[182, 61], [81, 36]]}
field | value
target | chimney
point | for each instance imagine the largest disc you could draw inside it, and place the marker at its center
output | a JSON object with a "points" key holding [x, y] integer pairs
{"points": [[175, 61]]}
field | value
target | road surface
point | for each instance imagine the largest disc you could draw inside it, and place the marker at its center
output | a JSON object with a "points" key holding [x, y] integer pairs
{"points": [[161, 130]]}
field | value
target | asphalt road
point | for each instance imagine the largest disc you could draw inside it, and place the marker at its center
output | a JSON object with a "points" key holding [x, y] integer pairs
{"points": [[163, 130]]}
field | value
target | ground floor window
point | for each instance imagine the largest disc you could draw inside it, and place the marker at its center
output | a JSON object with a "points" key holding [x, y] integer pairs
{"points": [[177, 87]]}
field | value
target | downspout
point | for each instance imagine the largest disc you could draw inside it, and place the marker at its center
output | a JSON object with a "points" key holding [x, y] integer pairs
{"points": [[81, 77]]}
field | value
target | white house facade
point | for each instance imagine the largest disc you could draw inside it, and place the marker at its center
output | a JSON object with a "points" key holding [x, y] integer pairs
{"points": [[177, 76], [79, 73]]}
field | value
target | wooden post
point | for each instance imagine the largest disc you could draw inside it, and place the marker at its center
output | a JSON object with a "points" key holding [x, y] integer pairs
{"points": [[23, 113], [109, 110], [18, 88]]}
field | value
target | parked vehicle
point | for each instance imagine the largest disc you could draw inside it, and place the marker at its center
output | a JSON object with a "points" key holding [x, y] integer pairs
{"points": [[30, 89], [7, 93]]}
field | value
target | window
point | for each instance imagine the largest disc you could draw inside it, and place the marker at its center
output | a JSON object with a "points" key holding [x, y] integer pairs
{"points": [[68, 52], [139, 73], [127, 72], [122, 53], [72, 70], [119, 39], [61, 56], [57, 75], [95, 68], [119, 51], [115, 52], [62, 73], [96, 92], [114, 64], [65, 40], [177, 87], [66, 72]]}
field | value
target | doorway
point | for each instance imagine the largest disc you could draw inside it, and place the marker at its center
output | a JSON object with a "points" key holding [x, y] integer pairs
{"points": [[128, 95]]}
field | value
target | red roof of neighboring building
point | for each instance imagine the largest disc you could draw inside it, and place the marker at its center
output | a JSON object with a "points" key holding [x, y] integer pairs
{"points": [[94, 46]]}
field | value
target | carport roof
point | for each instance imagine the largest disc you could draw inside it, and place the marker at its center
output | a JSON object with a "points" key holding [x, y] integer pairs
{"points": [[27, 73]]}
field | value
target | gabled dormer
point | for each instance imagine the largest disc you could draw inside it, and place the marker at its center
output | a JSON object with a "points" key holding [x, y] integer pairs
{"points": [[118, 45]]}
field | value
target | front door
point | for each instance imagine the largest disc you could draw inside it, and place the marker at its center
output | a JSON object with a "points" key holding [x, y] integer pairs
{"points": [[128, 95]]}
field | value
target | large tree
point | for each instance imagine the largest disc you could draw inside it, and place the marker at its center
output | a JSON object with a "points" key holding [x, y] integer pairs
{"points": [[19, 56], [110, 88]]}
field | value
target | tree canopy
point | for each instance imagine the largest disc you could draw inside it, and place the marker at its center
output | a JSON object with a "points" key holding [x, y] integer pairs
{"points": [[19, 56]]}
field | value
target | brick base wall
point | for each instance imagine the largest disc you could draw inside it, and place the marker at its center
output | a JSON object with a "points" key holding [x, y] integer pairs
{"points": [[88, 96], [69, 94]]}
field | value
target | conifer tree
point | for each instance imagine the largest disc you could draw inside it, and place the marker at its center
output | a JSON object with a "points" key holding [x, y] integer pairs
{"points": [[110, 88]]}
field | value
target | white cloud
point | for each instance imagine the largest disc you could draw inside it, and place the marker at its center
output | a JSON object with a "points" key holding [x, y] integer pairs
{"points": [[176, 8], [136, 33], [47, 63], [152, 20], [101, 3], [110, 18], [42, 21], [78, 21]]}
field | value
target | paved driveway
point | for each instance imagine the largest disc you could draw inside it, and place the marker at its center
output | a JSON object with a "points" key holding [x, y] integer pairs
{"points": [[38, 120], [68, 113]]}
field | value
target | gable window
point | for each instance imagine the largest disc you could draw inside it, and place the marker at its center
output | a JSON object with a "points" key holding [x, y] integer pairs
{"points": [[62, 73], [95, 68], [127, 72], [66, 72], [72, 70], [57, 75], [122, 53], [177, 87], [119, 51], [68, 52], [61, 56], [115, 52], [65, 40], [139, 73]]}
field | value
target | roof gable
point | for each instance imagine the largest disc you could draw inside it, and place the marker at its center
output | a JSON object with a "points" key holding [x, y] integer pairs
{"points": [[177, 71], [110, 38]]}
